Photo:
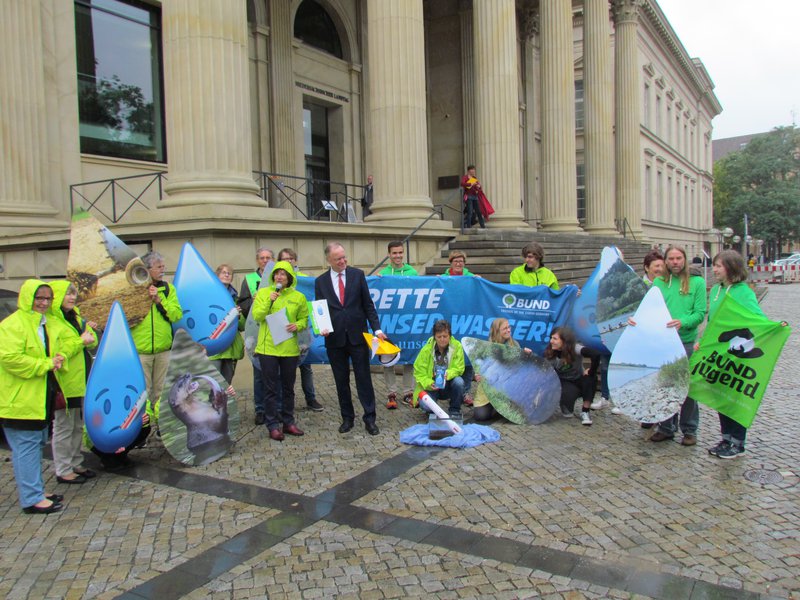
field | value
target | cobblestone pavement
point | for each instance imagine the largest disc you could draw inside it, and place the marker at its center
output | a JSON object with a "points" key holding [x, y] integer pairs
{"points": [[552, 511]]}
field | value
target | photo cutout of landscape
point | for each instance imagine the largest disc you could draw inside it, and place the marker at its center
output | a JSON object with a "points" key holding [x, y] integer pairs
{"points": [[648, 374]]}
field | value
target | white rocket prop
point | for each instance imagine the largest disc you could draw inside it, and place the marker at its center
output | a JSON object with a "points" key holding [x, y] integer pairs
{"points": [[431, 405]]}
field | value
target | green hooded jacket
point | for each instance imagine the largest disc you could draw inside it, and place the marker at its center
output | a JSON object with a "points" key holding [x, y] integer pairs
{"points": [[23, 362], [73, 380], [541, 276], [423, 366], [154, 333], [296, 312]]}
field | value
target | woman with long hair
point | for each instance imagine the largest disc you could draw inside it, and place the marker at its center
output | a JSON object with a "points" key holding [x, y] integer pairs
{"points": [[565, 356]]}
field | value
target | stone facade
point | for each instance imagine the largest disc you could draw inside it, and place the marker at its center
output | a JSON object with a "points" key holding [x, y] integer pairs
{"points": [[554, 102]]}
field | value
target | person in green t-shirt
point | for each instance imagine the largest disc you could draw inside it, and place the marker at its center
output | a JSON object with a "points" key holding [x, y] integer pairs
{"points": [[685, 297], [398, 267]]}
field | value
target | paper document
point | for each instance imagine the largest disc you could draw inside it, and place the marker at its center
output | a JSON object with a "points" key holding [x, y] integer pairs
{"points": [[320, 317], [277, 323]]}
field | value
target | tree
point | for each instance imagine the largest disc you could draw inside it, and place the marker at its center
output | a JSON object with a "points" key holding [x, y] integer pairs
{"points": [[763, 181]]}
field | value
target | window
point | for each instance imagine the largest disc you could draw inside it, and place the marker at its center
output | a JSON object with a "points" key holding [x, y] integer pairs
{"points": [[579, 112], [646, 105], [581, 188], [314, 26], [120, 104]]}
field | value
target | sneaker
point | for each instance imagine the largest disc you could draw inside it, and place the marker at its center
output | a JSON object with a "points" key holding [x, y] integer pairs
{"points": [[598, 404], [315, 406], [468, 400], [566, 413], [715, 450], [407, 397], [391, 402], [616, 411], [730, 451], [586, 418]]}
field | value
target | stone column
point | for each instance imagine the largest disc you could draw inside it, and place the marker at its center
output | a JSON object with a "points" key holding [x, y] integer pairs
{"points": [[598, 83], [24, 160], [559, 197], [629, 192], [398, 115], [468, 82], [497, 109], [207, 93], [282, 97]]}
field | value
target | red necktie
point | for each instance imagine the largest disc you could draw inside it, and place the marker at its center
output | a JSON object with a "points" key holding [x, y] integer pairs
{"points": [[341, 289]]}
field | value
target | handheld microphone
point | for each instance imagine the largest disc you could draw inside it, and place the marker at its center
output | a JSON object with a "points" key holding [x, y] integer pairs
{"points": [[278, 287]]}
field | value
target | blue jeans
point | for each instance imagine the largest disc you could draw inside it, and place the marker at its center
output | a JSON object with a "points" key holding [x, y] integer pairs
{"points": [[453, 390], [26, 455], [307, 382], [688, 419], [732, 431], [258, 390]]}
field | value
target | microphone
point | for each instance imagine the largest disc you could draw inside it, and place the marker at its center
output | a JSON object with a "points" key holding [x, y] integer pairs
{"points": [[278, 287]]}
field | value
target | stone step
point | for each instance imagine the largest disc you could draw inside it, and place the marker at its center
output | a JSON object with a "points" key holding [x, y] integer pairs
{"points": [[493, 254]]}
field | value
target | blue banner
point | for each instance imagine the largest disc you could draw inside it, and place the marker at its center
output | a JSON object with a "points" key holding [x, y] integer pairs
{"points": [[409, 306]]}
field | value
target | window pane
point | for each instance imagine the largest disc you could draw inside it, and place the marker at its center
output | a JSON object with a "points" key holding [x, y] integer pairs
{"points": [[119, 83]]}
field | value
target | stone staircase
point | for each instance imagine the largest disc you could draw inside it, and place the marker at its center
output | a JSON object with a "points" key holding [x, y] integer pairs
{"points": [[493, 253]]}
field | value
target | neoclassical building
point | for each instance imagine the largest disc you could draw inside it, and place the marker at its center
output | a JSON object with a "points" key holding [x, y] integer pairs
{"points": [[240, 123]]}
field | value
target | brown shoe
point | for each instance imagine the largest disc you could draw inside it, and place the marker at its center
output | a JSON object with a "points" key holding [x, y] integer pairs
{"points": [[688, 440], [660, 437], [276, 435], [292, 430]]}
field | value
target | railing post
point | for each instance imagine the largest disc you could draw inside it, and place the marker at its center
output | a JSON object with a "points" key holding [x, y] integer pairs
{"points": [[113, 200]]}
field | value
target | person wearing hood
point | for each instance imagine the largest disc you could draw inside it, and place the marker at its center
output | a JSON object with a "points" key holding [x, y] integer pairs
{"points": [[68, 418], [30, 353], [153, 336], [279, 360]]}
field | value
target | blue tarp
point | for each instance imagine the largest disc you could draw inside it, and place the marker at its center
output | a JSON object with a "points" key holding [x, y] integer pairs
{"points": [[471, 435]]}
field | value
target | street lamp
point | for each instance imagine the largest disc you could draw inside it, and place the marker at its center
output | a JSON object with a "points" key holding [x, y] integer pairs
{"points": [[727, 233]]}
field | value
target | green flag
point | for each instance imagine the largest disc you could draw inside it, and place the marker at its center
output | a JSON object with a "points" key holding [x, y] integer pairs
{"points": [[732, 367]]}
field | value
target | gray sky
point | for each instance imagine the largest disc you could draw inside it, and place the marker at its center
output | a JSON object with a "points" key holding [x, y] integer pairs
{"points": [[752, 52]]}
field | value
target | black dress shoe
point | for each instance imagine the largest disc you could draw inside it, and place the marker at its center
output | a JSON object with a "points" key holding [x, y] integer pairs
{"points": [[77, 479], [43, 510], [260, 418], [55, 498], [371, 428], [346, 426], [88, 473]]}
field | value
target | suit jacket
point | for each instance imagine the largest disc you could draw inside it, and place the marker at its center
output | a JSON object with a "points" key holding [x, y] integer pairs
{"points": [[349, 321]]}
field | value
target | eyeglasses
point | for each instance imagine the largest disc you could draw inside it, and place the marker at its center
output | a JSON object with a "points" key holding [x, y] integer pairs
{"points": [[458, 260], [43, 298]]}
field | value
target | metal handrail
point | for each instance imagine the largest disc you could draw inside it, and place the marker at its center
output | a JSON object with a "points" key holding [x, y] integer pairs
{"points": [[436, 210], [113, 186], [318, 195], [625, 226]]}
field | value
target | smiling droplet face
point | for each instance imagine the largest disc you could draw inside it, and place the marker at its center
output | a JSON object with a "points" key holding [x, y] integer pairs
{"points": [[206, 303], [115, 393]]}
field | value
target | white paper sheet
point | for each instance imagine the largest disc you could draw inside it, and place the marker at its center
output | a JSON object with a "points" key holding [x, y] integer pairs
{"points": [[277, 323]]}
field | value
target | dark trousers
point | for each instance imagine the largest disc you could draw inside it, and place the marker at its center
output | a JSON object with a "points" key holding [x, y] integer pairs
{"points": [[572, 389], [732, 431], [340, 359], [278, 371], [474, 211]]}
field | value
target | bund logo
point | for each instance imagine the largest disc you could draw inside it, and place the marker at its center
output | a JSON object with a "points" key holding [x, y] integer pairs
{"points": [[509, 300], [741, 343]]}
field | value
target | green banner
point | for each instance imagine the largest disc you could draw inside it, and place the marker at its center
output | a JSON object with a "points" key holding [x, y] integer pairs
{"points": [[733, 365]]}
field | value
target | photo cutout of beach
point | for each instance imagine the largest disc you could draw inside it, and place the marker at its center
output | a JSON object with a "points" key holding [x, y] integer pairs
{"points": [[520, 386], [648, 374]]}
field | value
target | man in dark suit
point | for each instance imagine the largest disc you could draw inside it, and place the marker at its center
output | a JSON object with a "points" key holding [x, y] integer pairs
{"points": [[350, 306]]}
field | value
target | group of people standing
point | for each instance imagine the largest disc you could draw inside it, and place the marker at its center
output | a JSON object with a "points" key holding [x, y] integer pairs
{"points": [[45, 359]]}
